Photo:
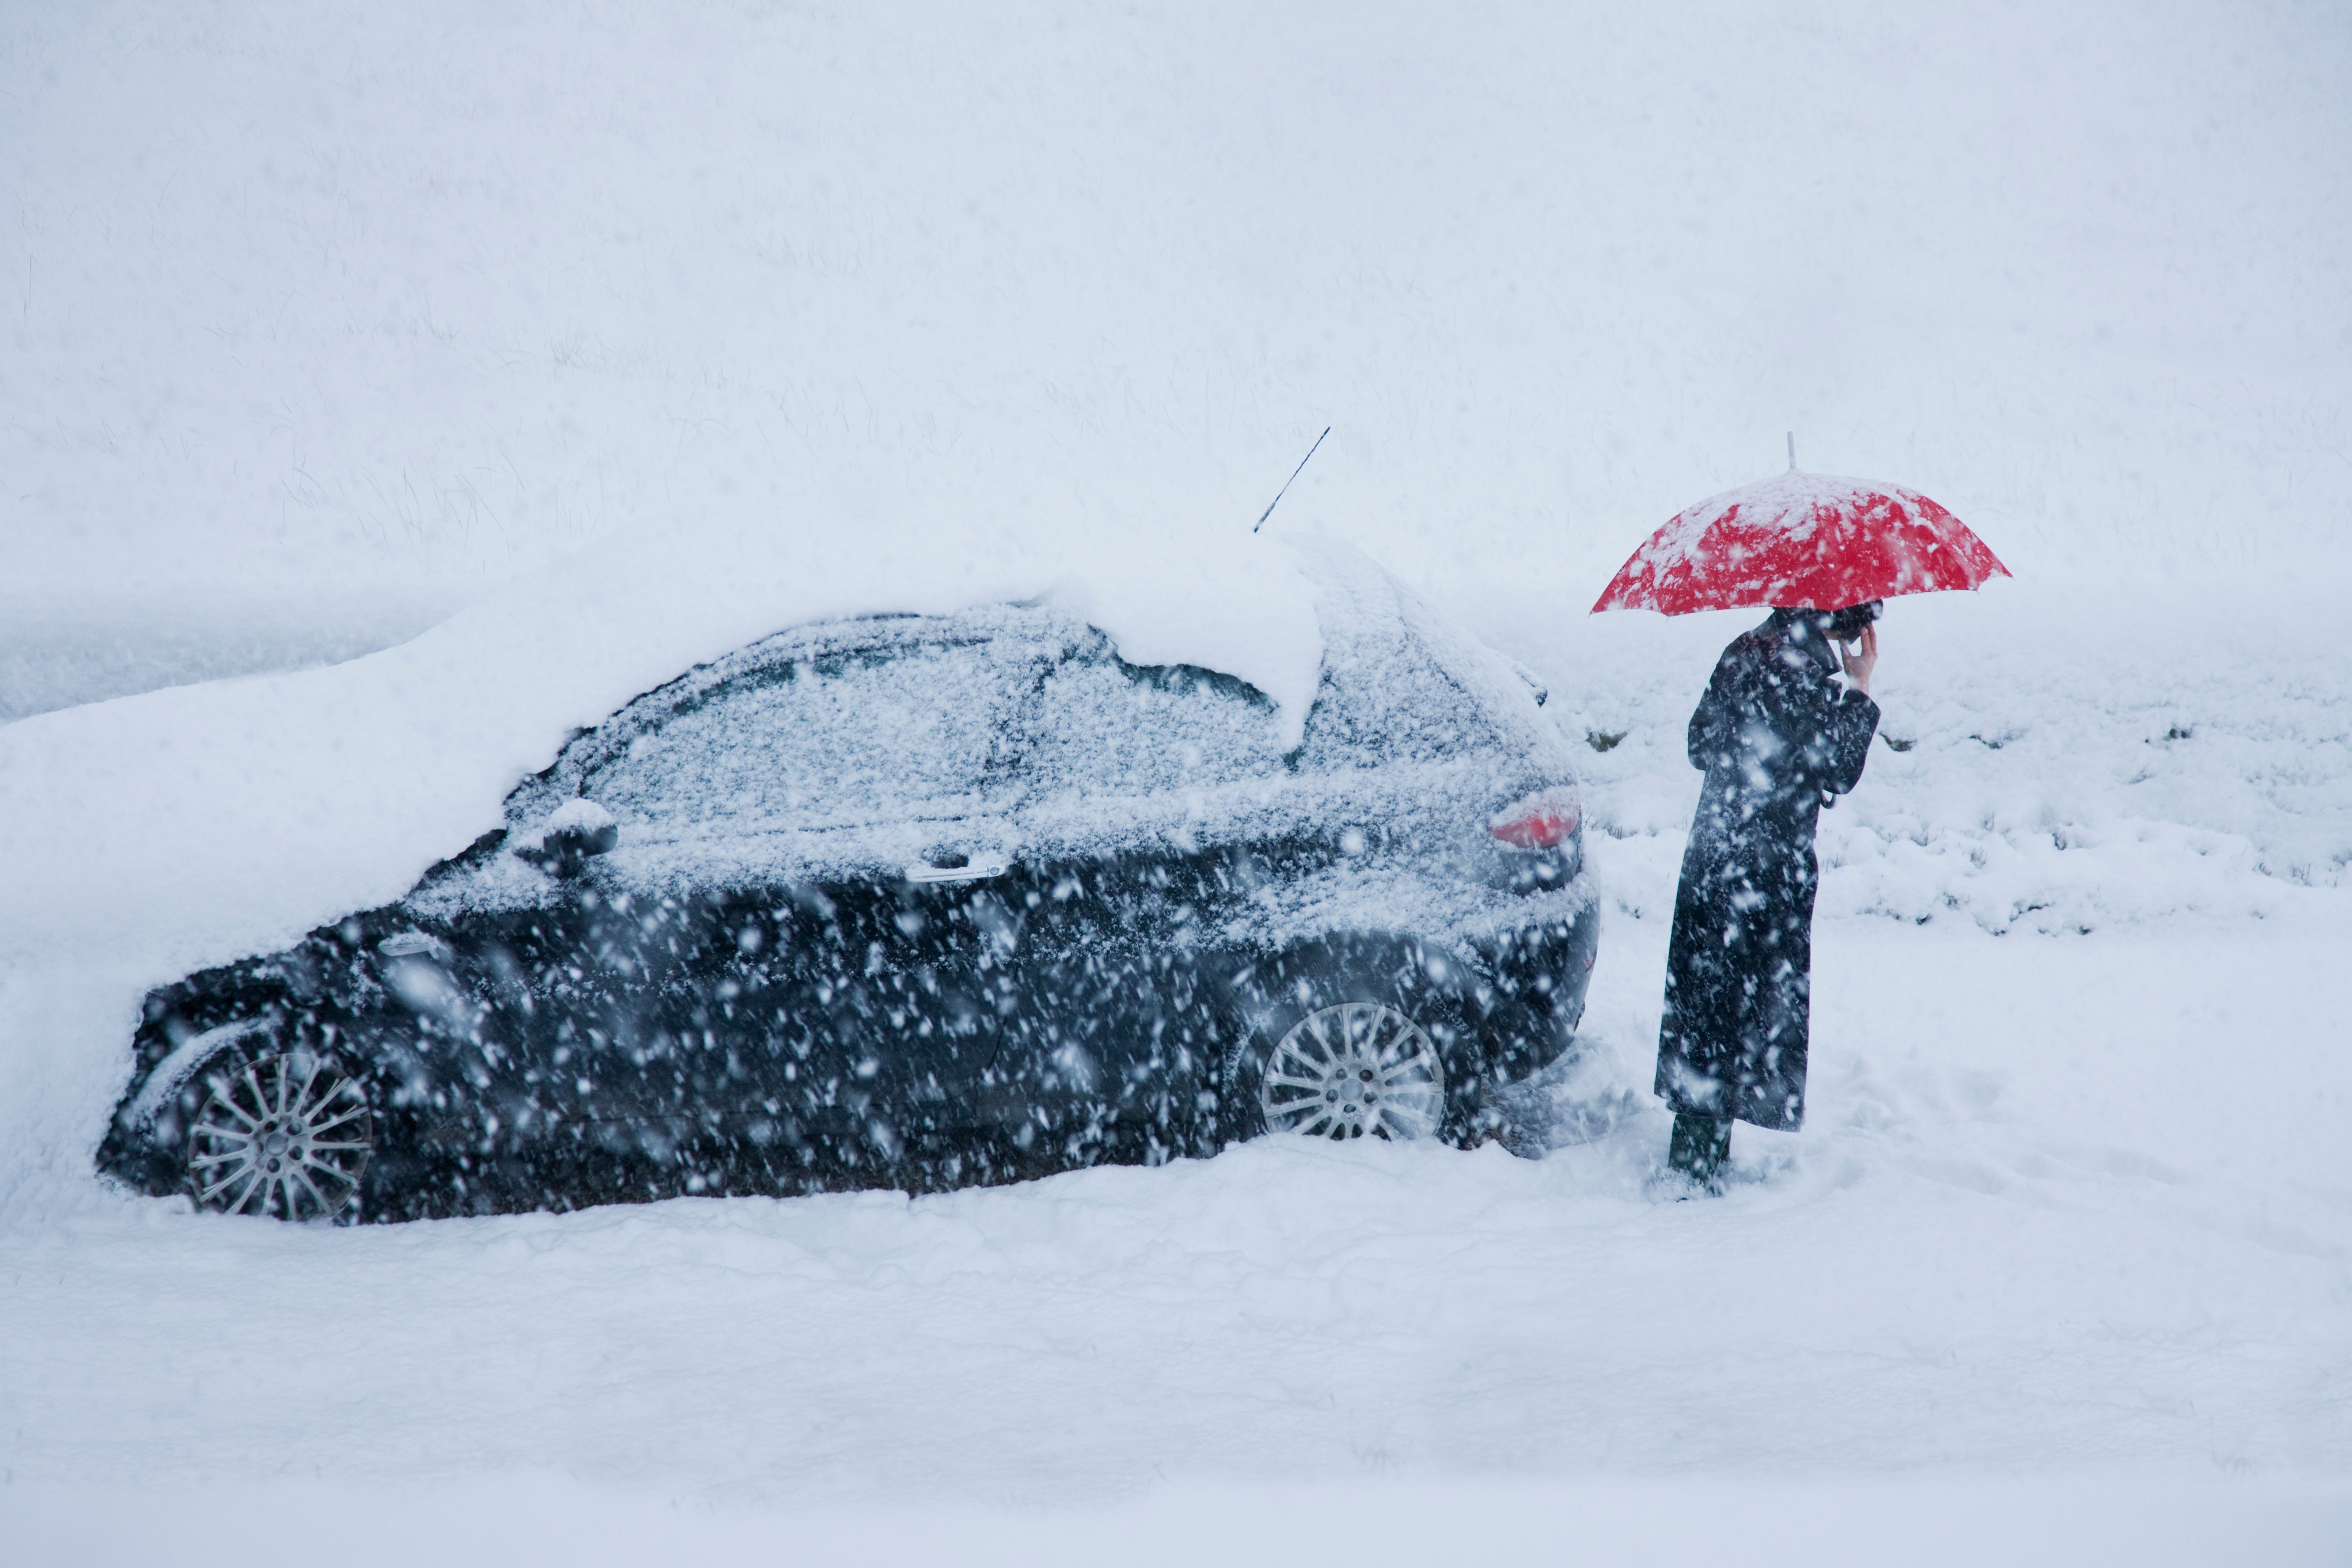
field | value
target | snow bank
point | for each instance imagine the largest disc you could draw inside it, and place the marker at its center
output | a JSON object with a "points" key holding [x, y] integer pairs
{"points": [[58, 651]]}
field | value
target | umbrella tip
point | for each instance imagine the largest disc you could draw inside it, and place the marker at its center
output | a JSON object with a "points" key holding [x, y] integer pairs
{"points": [[1792, 451]]}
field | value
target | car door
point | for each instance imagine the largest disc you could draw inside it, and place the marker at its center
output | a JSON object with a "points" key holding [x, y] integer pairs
{"points": [[828, 995], [1135, 783]]}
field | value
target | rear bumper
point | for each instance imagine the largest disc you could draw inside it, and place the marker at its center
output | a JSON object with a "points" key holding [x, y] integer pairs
{"points": [[1524, 1017]]}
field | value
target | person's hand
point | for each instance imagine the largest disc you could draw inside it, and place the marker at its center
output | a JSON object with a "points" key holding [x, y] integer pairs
{"points": [[1858, 665]]}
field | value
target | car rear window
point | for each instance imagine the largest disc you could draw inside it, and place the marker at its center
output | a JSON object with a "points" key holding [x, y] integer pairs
{"points": [[1387, 699]]}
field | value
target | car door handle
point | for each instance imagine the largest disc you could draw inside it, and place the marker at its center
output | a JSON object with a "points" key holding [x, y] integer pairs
{"points": [[972, 868]]}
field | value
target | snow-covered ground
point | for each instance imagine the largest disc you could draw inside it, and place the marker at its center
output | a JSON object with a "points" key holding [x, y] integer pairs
{"points": [[2071, 1205], [635, 330], [2028, 1230]]}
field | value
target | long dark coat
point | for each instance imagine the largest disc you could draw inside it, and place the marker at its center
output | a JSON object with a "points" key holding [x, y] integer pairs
{"points": [[1778, 740]]}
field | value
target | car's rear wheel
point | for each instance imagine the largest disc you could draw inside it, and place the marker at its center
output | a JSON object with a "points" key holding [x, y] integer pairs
{"points": [[282, 1134], [1353, 1070], [1344, 1037]]}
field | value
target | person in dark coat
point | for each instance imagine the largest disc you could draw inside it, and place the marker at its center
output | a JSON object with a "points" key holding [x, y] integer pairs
{"points": [[1779, 740]]}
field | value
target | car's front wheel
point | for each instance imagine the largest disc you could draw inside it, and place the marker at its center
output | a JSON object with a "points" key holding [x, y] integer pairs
{"points": [[281, 1134]]}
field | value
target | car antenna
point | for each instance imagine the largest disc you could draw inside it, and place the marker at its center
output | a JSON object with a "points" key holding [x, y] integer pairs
{"points": [[1792, 451], [1286, 484]]}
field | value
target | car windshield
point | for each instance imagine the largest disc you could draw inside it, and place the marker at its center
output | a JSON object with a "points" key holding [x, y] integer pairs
{"points": [[1397, 686]]}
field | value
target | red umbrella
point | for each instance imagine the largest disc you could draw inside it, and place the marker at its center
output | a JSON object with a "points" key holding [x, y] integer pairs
{"points": [[1812, 541]]}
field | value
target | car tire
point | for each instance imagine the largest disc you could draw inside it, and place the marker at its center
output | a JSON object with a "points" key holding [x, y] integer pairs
{"points": [[1343, 1040], [280, 1132]]}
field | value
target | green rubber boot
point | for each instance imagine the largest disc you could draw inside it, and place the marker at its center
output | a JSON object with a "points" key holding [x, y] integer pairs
{"points": [[1698, 1149]]}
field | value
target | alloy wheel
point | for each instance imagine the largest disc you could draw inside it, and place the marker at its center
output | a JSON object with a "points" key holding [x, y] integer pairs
{"points": [[1353, 1070], [281, 1136]]}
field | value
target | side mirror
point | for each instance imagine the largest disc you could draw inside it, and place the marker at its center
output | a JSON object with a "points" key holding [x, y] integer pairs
{"points": [[572, 833]]}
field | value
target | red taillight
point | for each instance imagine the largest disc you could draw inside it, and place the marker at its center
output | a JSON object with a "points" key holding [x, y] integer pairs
{"points": [[1544, 820]]}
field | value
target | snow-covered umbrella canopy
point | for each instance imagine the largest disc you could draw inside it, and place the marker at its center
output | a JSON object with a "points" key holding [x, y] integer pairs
{"points": [[1813, 541]]}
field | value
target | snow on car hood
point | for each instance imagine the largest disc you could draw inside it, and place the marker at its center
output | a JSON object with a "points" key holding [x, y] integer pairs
{"points": [[188, 825]]}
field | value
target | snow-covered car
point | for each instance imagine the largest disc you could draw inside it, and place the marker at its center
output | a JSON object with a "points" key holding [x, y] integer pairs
{"points": [[918, 901]]}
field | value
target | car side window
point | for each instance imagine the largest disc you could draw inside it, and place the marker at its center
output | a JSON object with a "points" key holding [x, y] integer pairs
{"points": [[921, 728], [1106, 727]]}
